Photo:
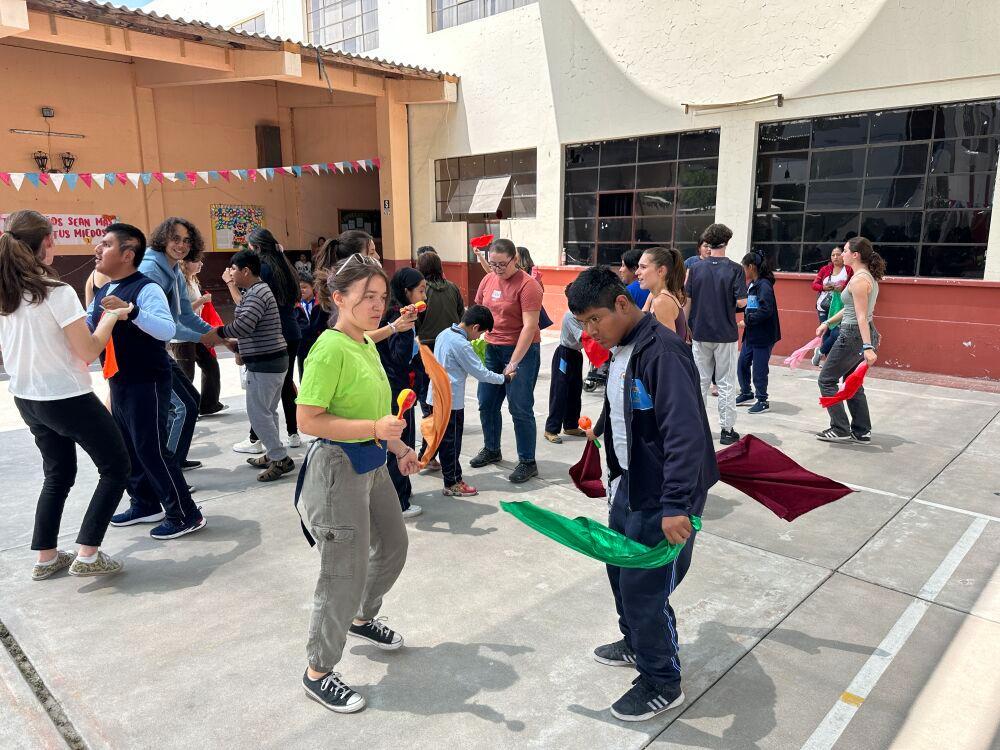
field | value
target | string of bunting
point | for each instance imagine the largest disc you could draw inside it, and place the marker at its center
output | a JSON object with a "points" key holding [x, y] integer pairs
{"points": [[108, 179]]}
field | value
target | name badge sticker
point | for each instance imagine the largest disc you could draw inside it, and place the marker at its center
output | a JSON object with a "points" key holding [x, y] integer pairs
{"points": [[641, 400], [496, 294]]}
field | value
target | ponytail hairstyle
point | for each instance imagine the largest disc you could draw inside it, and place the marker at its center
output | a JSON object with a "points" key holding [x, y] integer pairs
{"points": [[284, 283], [23, 272], [341, 248], [760, 262], [526, 262], [863, 247], [671, 259], [342, 277]]}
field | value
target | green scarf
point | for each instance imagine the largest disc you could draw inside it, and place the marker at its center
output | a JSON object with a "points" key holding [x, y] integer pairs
{"points": [[836, 305], [596, 540]]}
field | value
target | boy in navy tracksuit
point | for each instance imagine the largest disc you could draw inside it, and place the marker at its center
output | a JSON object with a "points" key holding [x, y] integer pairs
{"points": [[311, 317], [762, 332], [661, 464]]}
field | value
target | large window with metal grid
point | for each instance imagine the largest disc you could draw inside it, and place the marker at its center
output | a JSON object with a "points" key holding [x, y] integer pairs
{"points": [[638, 192], [471, 188], [918, 182], [253, 25], [343, 25], [448, 13]]}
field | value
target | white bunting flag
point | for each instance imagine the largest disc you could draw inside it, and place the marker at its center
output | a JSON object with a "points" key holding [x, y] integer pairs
{"points": [[57, 180], [203, 176], [134, 178], [99, 179], [17, 178]]}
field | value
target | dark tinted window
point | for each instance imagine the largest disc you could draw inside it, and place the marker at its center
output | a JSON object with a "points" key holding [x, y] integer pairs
{"points": [[456, 180]]}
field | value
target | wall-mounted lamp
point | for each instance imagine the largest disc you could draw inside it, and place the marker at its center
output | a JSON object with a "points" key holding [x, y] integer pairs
{"points": [[42, 160], [68, 160]]}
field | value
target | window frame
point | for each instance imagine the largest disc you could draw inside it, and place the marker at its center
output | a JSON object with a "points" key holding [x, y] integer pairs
{"points": [[434, 14], [262, 16], [523, 164], [367, 38]]}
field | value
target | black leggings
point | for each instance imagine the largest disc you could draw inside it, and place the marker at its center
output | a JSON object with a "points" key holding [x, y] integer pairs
{"points": [[59, 426], [288, 393]]}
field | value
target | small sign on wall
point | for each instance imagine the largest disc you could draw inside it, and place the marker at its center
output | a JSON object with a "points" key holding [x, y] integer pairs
{"points": [[75, 229]]}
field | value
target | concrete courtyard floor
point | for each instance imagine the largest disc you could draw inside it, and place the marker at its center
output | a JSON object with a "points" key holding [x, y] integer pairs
{"points": [[872, 622]]}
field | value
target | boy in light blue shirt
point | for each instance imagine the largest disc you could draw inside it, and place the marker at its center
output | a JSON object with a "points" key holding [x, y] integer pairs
{"points": [[453, 349]]}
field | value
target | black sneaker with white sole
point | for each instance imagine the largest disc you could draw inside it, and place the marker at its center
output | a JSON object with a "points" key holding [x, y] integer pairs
{"points": [[644, 701], [859, 439], [377, 632], [485, 457], [617, 654], [831, 435], [331, 692]]}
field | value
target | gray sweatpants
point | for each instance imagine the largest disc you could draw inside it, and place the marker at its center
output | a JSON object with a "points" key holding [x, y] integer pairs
{"points": [[263, 397], [718, 359], [358, 526]]}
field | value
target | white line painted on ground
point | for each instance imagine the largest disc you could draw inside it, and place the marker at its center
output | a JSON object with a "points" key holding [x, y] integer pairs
{"points": [[963, 511], [862, 488], [837, 719]]}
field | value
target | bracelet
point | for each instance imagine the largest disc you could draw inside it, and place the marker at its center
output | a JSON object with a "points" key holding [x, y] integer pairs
{"points": [[112, 312], [867, 347], [375, 430], [393, 327], [404, 453]]}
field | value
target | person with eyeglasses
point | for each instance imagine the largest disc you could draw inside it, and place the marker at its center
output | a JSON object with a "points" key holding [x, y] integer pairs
{"points": [[513, 348]]}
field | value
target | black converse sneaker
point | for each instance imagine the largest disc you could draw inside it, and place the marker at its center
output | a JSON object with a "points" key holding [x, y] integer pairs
{"points": [[330, 692], [644, 701], [377, 632], [616, 654]]}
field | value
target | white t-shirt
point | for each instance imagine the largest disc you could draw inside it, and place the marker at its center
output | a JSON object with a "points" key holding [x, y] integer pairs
{"points": [[36, 353], [834, 278], [616, 402]]}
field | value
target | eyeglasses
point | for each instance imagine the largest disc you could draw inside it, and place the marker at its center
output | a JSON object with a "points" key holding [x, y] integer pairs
{"points": [[500, 266], [181, 240], [363, 259]]}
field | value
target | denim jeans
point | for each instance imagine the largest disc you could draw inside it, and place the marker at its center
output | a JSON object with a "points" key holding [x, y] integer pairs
{"points": [[520, 393]]}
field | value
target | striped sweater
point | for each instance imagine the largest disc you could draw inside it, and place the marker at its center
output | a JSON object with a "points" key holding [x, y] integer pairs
{"points": [[257, 326]]}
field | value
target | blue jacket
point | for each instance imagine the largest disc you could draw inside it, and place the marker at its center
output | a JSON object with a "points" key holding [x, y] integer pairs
{"points": [[453, 350], [761, 315], [671, 457], [190, 326]]}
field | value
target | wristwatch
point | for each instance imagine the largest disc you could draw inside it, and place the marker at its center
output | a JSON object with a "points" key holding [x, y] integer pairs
{"points": [[866, 347]]}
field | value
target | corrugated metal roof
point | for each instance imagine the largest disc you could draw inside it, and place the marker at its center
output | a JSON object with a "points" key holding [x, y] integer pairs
{"points": [[153, 23]]}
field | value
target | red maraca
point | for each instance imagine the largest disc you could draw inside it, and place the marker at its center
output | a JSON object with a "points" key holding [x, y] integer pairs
{"points": [[586, 424]]}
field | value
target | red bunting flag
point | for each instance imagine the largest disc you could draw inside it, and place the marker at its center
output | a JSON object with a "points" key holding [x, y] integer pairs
{"points": [[122, 177], [252, 174], [87, 179], [158, 176], [192, 177], [5, 178], [377, 162], [43, 178], [224, 174]]}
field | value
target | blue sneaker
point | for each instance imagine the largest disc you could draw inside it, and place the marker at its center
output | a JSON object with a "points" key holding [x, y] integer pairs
{"points": [[171, 529], [759, 408], [744, 398], [135, 515]]}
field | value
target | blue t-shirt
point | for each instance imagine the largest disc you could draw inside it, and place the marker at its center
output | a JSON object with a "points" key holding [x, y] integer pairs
{"points": [[688, 262], [713, 286], [638, 293]]}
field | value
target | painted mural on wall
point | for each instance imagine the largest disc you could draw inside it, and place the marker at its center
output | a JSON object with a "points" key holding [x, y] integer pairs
{"points": [[75, 229], [232, 222]]}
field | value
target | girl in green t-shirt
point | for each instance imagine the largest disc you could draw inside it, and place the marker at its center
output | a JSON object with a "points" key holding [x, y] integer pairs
{"points": [[345, 497]]}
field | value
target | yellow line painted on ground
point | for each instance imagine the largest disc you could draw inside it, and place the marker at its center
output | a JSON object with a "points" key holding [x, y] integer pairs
{"points": [[851, 699]]}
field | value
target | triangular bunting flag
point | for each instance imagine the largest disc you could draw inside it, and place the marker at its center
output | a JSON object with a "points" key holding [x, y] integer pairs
{"points": [[147, 177], [178, 176], [213, 175], [356, 165], [268, 173], [203, 176], [315, 167], [286, 170], [298, 171], [331, 166], [5, 178], [99, 178], [377, 162], [224, 174], [33, 178], [241, 174], [134, 178], [252, 174], [57, 180], [110, 176], [71, 180], [87, 178], [192, 177], [340, 166], [158, 176], [122, 177], [17, 179], [43, 178]]}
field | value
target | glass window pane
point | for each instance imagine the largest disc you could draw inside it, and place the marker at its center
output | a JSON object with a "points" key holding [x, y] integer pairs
{"points": [[658, 203], [784, 136], [961, 191], [689, 228], [841, 194], [698, 145], [656, 175], [777, 228], [953, 261], [783, 257], [524, 161], [967, 120], [890, 161], [611, 255], [506, 208], [618, 178], [471, 166], [446, 190], [618, 152], [523, 185], [369, 22], [578, 157], [578, 254], [902, 125], [830, 227], [816, 255], [892, 226], [614, 230], [497, 164], [790, 197], [968, 155], [696, 200], [580, 230], [581, 181], [904, 192], [615, 204], [957, 227], [658, 147], [581, 205], [442, 211], [446, 169], [657, 230], [524, 207], [840, 130], [783, 168], [900, 260], [698, 173], [838, 164]]}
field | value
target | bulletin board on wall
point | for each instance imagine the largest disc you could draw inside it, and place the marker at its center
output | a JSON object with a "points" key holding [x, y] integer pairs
{"points": [[232, 222], [368, 221]]}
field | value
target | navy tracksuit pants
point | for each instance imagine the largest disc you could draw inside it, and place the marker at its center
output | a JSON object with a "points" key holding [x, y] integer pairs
{"points": [[565, 390], [141, 410], [754, 362], [642, 597]]}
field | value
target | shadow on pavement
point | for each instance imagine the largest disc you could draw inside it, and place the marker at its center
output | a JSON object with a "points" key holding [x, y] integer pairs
{"points": [[452, 515]]}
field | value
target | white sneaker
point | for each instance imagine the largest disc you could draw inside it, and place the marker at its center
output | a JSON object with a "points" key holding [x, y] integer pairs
{"points": [[817, 357], [294, 441], [413, 511], [249, 446]]}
